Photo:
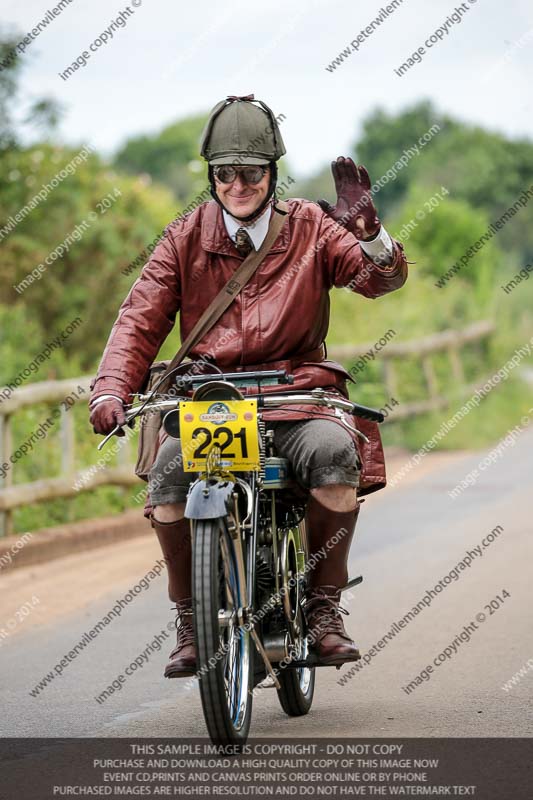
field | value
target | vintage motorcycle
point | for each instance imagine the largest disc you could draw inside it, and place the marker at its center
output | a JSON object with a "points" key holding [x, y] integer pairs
{"points": [[249, 543]]}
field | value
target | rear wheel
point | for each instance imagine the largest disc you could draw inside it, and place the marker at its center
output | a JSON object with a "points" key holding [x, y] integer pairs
{"points": [[297, 684], [224, 649]]}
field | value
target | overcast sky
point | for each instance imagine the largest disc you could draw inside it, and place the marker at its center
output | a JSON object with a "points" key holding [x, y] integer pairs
{"points": [[173, 58]]}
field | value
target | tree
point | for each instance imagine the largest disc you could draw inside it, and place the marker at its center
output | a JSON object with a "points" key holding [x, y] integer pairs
{"points": [[386, 137], [171, 157], [43, 113], [8, 83], [99, 219], [485, 169]]}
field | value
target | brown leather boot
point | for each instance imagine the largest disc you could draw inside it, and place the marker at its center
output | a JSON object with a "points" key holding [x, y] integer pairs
{"points": [[175, 541], [334, 531], [326, 633], [183, 658]]}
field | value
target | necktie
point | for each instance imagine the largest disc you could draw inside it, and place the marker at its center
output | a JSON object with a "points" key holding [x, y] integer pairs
{"points": [[243, 243]]}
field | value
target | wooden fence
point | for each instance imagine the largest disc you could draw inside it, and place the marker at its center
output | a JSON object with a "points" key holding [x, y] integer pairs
{"points": [[424, 349], [64, 485], [70, 482]]}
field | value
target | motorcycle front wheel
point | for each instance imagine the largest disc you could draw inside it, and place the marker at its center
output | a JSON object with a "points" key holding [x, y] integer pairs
{"points": [[224, 649]]}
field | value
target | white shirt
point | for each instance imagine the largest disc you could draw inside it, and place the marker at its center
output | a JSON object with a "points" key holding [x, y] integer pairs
{"points": [[378, 249], [257, 229]]}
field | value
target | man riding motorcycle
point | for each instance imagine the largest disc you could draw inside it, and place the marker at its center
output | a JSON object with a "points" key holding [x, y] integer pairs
{"points": [[278, 321]]}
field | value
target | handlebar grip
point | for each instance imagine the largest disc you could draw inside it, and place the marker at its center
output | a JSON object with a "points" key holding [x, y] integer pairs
{"points": [[367, 413]]}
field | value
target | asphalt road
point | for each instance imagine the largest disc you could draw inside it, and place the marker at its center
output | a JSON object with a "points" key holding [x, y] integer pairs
{"points": [[409, 538]]}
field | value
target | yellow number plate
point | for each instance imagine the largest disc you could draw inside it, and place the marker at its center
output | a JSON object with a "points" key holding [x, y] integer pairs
{"points": [[230, 425]]}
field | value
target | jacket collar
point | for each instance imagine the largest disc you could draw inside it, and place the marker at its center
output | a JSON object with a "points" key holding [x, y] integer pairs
{"points": [[215, 238]]}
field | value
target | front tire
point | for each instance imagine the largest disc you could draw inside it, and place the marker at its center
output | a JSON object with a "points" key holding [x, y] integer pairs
{"points": [[224, 650]]}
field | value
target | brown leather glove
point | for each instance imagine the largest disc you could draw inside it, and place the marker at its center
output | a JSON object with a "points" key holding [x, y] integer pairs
{"points": [[105, 416], [355, 209]]}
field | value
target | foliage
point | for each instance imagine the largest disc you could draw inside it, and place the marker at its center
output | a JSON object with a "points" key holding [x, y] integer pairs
{"points": [[22, 339], [385, 137], [87, 281], [43, 113], [484, 169], [171, 158], [8, 86]]}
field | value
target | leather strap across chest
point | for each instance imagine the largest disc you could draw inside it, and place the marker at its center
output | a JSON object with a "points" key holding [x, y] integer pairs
{"points": [[229, 292]]}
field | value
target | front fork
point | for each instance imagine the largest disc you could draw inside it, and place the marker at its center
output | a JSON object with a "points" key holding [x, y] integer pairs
{"points": [[245, 614]]}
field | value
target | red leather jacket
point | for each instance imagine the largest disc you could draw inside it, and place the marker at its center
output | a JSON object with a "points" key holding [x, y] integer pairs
{"points": [[280, 319]]}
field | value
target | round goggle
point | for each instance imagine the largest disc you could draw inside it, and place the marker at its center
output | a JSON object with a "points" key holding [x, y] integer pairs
{"points": [[227, 174]]}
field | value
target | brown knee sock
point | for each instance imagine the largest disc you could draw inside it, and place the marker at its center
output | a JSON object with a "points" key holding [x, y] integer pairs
{"points": [[337, 528], [175, 541]]}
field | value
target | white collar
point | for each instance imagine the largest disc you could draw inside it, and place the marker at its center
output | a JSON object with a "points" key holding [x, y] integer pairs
{"points": [[257, 229]]}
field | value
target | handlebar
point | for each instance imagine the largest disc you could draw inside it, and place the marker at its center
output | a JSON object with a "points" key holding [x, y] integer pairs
{"points": [[315, 397]]}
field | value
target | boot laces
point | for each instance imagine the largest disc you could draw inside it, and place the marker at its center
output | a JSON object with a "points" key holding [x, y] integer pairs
{"points": [[183, 623], [323, 611]]}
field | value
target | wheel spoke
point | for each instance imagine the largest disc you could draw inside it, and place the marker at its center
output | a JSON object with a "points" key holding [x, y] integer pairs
{"points": [[224, 686], [232, 672]]}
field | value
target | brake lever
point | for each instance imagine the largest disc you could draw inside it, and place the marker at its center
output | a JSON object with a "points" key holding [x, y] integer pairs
{"points": [[116, 429], [109, 436], [339, 415]]}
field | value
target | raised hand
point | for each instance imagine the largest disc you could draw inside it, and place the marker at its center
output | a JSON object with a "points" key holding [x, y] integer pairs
{"points": [[355, 209]]}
